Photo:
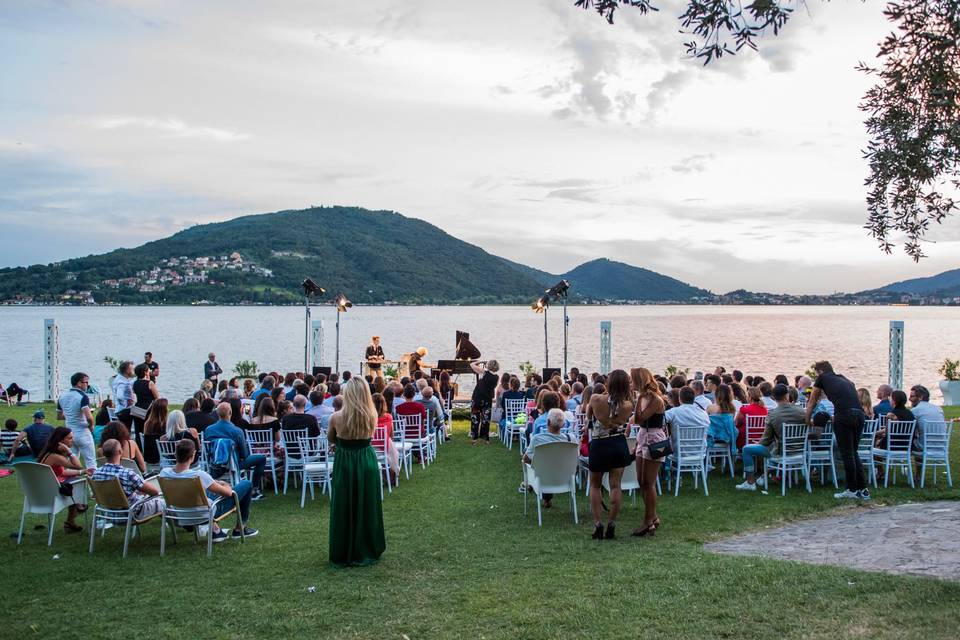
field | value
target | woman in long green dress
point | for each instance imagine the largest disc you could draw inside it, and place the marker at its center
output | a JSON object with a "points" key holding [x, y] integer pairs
{"points": [[356, 510]]}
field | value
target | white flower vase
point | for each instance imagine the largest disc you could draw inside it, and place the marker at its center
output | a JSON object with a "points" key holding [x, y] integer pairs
{"points": [[951, 392]]}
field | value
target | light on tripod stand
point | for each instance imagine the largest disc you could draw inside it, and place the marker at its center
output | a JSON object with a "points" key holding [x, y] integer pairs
{"points": [[540, 306], [342, 304], [310, 289]]}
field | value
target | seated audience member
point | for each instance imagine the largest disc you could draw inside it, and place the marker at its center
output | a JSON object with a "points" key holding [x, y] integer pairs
{"points": [[186, 451], [315, 406], [266, 418], [236, 414], [739, 395], [781, 379], [737, 375], [144, 498], [288, 382], [575, 399], [410, 407], [804, 384], [677, 381], [333, 390], [710, 384], [700, 399], [688, 414], [11, 442], [266, 386], [202, 418], [884, 406], [325, 420], [866, 402], [283, 408], [923, 411], [249, 388], [766, 389], [784, 413], [513, 392], [297, 419], [154, 426], [722, 424], [177, 430], [435, 414], [225, 429], [128, 448], [35, 435], [58, 455], [555, 421], [548, 400], [101, 419]]}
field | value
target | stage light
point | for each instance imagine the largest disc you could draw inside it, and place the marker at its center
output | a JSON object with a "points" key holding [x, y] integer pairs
{"points": [[559, 289], [540, 304], [342, 303], [311, 288]]}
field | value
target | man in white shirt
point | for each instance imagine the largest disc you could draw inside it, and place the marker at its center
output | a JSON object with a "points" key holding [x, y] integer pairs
{"points": [[923, 411], [700, 399], [122, 386], [688, 414], [555, 422], [215, 489]]}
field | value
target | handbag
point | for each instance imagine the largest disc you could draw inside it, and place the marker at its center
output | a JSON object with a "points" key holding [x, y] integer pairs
{"points": [[660, 449], [139, 412]]}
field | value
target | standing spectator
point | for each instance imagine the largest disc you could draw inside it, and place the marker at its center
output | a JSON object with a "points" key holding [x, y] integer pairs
{"points": [[75, 405], [122, 386], [482, 400], [848, 422], [144, 392], [607, 417], [152, 365], [211, 369], [648, 415]]}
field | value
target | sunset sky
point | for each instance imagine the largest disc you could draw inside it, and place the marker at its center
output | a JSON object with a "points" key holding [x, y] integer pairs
{"points": [[532, 129]]}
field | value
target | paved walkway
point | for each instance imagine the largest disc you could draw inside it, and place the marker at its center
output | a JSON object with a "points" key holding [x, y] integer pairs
{"points": [[917, 538]]}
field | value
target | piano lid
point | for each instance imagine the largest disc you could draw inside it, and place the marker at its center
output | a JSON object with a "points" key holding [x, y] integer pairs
{"points": [[465, 349]]}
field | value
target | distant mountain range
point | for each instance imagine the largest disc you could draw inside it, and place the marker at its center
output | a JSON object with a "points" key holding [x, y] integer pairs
{"points": [[372, 256], [945, 284]]}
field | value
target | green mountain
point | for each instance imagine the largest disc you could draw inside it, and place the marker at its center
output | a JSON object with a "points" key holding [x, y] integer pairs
{"points": [[604, 279], [372, 256], [946, 283]]}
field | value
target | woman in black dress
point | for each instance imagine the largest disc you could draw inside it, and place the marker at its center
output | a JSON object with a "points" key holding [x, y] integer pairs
{"points": [[145, 392], [607, 417]]}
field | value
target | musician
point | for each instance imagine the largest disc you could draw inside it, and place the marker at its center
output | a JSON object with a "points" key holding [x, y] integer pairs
{"points": [[374, 357], [482, 401], [415, 362]]}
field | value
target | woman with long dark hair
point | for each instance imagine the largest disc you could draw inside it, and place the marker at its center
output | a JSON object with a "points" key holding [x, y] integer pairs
{"points": [[57, 455], [607, 416], [128, 448], [153, 429], [648, 415]]}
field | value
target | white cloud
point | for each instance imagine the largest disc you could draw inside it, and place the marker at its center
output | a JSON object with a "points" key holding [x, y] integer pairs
{"points": [[174, 127]]}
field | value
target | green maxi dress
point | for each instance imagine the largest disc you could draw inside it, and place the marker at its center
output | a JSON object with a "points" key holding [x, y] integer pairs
{"points": [[356, 511]]}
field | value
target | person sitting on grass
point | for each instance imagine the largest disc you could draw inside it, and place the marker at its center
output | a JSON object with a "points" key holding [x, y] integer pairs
{"points": [[769, 444], [185, 453], [144, 498], [555, 421], [11, 443], [59, 456], [223, 428], [35, 435]]}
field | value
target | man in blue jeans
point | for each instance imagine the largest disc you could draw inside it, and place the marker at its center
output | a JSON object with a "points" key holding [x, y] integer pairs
{"points": [[223, 428], [784, 413], [214, 489]]}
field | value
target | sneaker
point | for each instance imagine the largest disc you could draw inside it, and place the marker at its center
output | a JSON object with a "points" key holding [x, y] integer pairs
{"points": [[761, 482], [259, 495], [846, 495], [747, 486], [864, 494], [220, 536], [523, 488], [247, 532]]}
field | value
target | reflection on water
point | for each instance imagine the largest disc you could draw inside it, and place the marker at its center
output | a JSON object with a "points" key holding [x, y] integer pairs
{"points": [[758, 340]]}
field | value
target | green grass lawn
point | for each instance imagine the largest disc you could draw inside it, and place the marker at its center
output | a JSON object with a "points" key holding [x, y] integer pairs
{"points": [[463, 561]]}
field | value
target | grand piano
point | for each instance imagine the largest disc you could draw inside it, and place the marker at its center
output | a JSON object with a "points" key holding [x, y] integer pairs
{"points": [[466, 353]]}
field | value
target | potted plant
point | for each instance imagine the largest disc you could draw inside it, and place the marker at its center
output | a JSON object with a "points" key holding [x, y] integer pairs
{"points": [[950, 385]]}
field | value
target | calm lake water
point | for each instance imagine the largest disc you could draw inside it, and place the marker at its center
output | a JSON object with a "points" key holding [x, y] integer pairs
{"points": [[758, 340]]}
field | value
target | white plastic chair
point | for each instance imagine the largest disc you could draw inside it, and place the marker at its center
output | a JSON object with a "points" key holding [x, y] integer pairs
{"points": [[511, 409], [899, 440], [553, 470], [755, 426], [41, 495], [820, 454], [865, 448], [316, 467], [936, 450], [416, 438], [260, 441], [379, 444], [690, 455], [404, 448], [293, 456], [791, 457], [168, 453]]}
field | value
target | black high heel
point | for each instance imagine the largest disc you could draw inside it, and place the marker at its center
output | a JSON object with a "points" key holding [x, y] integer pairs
{"points": [[597, 532], [609, 535]]}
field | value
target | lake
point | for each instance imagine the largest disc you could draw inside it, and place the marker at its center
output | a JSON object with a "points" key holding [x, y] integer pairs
{"points": [[758, 340]]}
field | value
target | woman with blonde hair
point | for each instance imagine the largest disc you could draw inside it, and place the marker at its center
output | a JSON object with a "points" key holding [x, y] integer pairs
{"points": [[866, 401], [648, 416], [356, 510], [177, 430]]}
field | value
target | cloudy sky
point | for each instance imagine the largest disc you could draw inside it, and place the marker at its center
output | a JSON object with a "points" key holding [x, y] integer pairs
{"points": [[533, 129]]}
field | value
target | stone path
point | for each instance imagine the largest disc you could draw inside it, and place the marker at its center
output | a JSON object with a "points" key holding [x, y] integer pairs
{"points": [[920, 539]]}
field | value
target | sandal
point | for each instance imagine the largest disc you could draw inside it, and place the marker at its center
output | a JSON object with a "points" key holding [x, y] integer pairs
{"points": [[69, 527], [648, 530]]}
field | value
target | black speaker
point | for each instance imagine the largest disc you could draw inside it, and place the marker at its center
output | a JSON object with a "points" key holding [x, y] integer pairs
{"points": [[549, 372], [324, 370]]}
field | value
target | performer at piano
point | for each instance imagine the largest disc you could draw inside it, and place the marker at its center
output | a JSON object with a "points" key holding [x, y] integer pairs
{"points": [[415, 362], [374, 357], [482, 400]]}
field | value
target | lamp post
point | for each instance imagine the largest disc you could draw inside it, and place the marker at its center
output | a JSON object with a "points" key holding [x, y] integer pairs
{"points": [[310, 288], [342, 304], [540, 306]]}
